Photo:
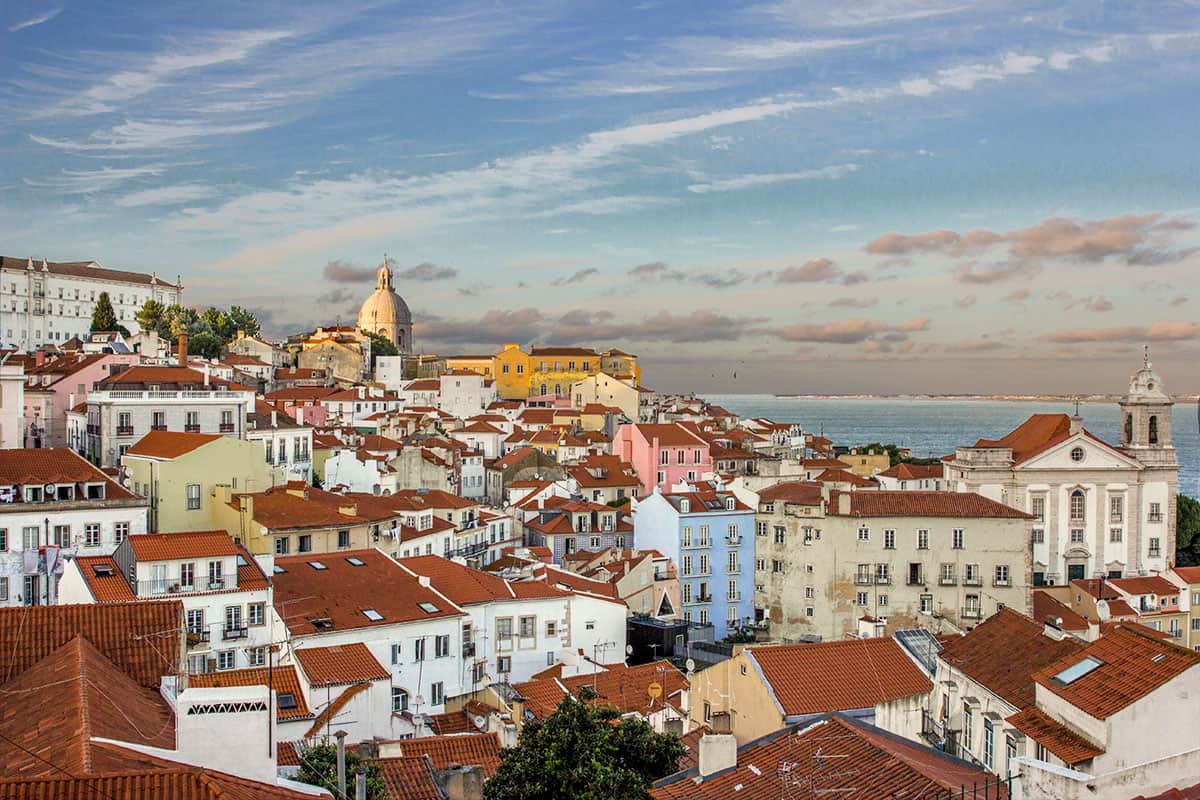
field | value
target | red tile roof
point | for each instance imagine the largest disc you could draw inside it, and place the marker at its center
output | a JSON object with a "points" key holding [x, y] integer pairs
{"points": [[884, 503], [1175, 793], [190, 544], [1044, 605], [466, 586], [838, 675], [1056, 737], [1003, 652], [283, 679], [54, 465], [84, 269], [472, 749], [1151, 584], [340, 665], [577, 583], [669, 435], [111, 587], [141, 638], [1034, 435], [409, 778], [170, 781], [802, 492], [1132, 665], [306, 596], [912, 472], [623, 688], [875, 764], [1188, 574]]}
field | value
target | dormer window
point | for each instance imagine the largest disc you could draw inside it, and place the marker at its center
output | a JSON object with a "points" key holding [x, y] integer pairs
{"points": [[730, 503], [685, 506]]}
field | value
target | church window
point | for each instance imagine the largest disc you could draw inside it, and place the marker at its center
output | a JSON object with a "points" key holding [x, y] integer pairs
{"points": [[1128, 428], [1077, 454], [1153, 430], [1078, 502]]}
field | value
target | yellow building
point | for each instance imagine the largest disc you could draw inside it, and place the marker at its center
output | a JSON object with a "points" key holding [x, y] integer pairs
{"points": [[546, 371], [480, 365], [298, 519], [179, 474], [866, 463]]}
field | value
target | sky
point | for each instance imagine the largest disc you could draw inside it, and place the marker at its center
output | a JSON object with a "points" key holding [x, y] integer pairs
{"points": [[775, 196]]}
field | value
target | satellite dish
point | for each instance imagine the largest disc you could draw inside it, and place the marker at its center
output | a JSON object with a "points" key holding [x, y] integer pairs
{"points": [[419, 700], [690, 664], [654, 690], [628, 649]]}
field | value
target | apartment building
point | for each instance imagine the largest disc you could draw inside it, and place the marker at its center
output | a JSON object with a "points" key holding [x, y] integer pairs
{"points": [[227, 599], [56, 385], [565, 525], [54, 506], [663, 455], [905, 559]]}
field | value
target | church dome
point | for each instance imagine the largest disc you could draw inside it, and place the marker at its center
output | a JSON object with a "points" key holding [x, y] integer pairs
{"points": [[1145, 383], [384, 308]]}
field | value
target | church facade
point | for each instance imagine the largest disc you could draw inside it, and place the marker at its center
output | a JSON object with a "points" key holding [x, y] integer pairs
{"points": [[1098, 509], [385, 312]]}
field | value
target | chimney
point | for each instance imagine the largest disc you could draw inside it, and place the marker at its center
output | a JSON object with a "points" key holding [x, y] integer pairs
{"points": [[39, 358], [207, 374], [274, 419], [183, 349], [718, 752], [1076, 424], [462, 783], [1052, 628]]}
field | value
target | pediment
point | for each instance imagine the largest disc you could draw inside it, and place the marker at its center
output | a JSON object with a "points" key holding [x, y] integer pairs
{"points": [[1097, 455]]}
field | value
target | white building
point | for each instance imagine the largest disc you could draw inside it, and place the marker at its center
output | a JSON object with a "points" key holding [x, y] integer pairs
{"points": [[464, 394], [225, 594], [50, 302], [359, 471], [481, 436], [287, 444], [55, 505], [1099, 511], [12, 405]]}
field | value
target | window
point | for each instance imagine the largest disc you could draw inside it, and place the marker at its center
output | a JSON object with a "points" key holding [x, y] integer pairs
{"points": [[864, 534], [1077, 455], [1116, 508], [946, 575], [419, 649], [687, 565], [1153, 430], [504, 664], [1002, 575], [304, 543], [704, 568], [441, 645], [664, 457], [705, 541], [226, 659], [967, 728], [527, 627], [343, 539], [760, 564], [687, 592], [862, 598], [193, 497], [686, 536], [926, 604], [809, 593], [120, 532], [1077, 535], [1037, 507], [215, 577], [62, 536], [195, 620], [776, 565], [551, 629], [923, 539], [256, 656], [1039, 536], [3, 540], [1078, 506], [1156, 512], [91, 534], [282, 545], [972, 574], [734, 566], [1155, 550], [989, 744], [504, 628], [1115, 534], [399, 700], [956, 538], [809, 611], [889, 540], [780, 534], [681, 457]]}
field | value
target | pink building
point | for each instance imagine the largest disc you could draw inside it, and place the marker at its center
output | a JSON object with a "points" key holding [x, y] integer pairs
{"points": [[663, 455], [54, 385], [303, 403]]}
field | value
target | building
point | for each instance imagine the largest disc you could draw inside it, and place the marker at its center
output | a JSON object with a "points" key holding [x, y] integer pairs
{"points": [[339, 352], [1100, 510], [364, 598], [54, 505], [12, 405], [386, 313], [123, 408], [1188, 578], [52, 302], [56, 385], [656, 692], [178, 473], [225, 594], [707, 532], [663, 455], [767, 687], [1156, 602], [260, 349], [286, 443], [464, 394], [604, 479], [912, 477], [565, 525], [906, 559], [606, 390], [647, 581]]}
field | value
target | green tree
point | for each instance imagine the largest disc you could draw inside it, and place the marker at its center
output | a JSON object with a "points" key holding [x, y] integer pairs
{"points": [[1187, 531], [587, 751], [176, 321], [380, 346], [150, 314], [103, 316], [204, 344], [318, 767], [218, 323], [243, 320]]}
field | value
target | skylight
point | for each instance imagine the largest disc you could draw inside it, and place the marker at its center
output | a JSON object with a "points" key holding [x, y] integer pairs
{"points": [[287, 700], [1077, 670], [279, 570], [372, 614], [1159, 657], [317, 565], [355, 561], [428, 608]]}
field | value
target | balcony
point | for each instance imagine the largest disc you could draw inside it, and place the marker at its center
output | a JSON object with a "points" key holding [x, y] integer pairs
{"points": [[216, 583], [158, 427], [191, 428], [914, 580], [972, 612], [225, 427], [863, 580], [1002, 582], [704, 598], [234, 632], [972, 580], [197, 638], [469, 550], [1155, 517], [733, 541], [947, 580], [883, 580], [124, 430]]}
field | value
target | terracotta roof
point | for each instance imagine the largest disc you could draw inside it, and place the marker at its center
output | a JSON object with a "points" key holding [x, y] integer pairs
{"points": [[168, 782], [166, 377], [1003, 652], [513, 457], [466, 586], [307, 597], [1175, 793], [1131, 666], [885, 503], [451, 722], [278, 509], [880, 766], [1044, 605], [84, 269], [563, 351], [1096, 586], [1188, 574], [283, 679], [409, 778], [1056, 737], [1036, 435], [340, 665], [623, 688], [842, 476], [299, 393], [109, 587], [669, 435], [1151, 584], [912, 472], [472, 749], [54, 465], [576, 583], [141, 638], [802, 492], [838, 675], [174, 546], [825, 463]]}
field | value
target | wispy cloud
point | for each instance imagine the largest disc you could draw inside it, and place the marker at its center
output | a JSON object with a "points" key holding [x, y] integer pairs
{"points": [[832, 172], [35, 20], [70, 181], [167, 195]]}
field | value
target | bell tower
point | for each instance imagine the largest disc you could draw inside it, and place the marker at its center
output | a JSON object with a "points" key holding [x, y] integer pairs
{"points": [[1146, 418]]}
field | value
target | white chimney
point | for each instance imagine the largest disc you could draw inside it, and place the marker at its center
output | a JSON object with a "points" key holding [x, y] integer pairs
{"points": [[274, 419], [1052, 628], [207, 375], [208, 730], [718, 751]]}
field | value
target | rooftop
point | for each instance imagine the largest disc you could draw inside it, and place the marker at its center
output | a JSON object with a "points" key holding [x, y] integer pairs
{"points": [[54, 465], [883, 503], [340, 665]]}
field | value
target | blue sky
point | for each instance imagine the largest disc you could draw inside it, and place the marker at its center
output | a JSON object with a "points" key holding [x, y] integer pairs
{"points": [[892, 195]]}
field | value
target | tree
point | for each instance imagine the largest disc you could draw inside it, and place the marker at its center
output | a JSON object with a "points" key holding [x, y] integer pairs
{"points": [[204, 344], [176, 321], [587, 751], [103, 316], [244, 321], [1187, 531], [380, 346], [318, 767], [894, 456], [150, 314]]}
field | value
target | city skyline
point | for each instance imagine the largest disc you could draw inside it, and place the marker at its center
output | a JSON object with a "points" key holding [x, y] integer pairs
{"points": [[902, 197]]}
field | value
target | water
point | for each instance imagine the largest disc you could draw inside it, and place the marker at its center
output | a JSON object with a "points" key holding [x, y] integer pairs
{"points": [[933, 428]]}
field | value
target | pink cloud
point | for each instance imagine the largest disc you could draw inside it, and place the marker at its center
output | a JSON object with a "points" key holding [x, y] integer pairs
{"points": [[817, 269]]}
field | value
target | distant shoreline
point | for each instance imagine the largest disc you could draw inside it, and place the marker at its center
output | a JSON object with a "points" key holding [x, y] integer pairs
{"points": [[1010, 398]]}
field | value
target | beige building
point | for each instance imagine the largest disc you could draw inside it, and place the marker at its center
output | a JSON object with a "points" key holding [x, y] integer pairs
{"points": [[1099, 511], [937, 560], [339, 351], [606, 390], [298, 520], [866, 463]]}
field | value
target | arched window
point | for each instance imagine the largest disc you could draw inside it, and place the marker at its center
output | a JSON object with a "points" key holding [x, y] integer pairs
{"points": [[399, 700], [543, 388], [558, 390], [1128, 428], [1078, 505], [1153, 430]]}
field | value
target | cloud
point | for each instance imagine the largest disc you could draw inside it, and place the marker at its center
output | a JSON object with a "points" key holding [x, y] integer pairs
{"points": [[70, 181], [704, 325], [982, 346], [1178, 301], [38, 20], [990, 274], [1099, 305], [853, 302], [755, 181], [655, 270], [843, 228], [966, 301], [576, 277], [914, 325], [919, 87], [1162, 331], [427, 273], [1016, 296], [903, 244], [661, 271], [858, 276], [345, 272], [167, 195], [496, 326], [849, 331], [336, 297], [814, 270]]}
